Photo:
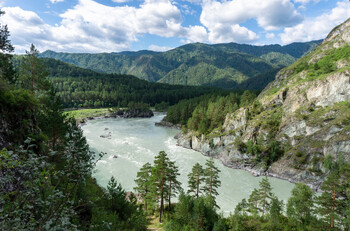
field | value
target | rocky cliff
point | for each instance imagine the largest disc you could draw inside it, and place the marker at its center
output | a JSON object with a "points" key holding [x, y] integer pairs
{"points": [[295, 122]]}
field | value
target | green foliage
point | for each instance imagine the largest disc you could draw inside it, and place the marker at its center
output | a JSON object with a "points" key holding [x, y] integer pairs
{"points": [[300, 206], [6, 67], [264, 195], [325, 65], [195, 179], [334, 201], [127, 213], [46, 179], [79, 87], [207, 113], [195, 214], [143, 181], [158, 180], [17, 108], [173, 185], [212, 181], [33, 72], [252, 148], [163, 106], [222, 65]]}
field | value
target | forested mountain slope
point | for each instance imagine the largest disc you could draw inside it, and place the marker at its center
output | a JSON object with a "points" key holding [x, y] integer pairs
{"points": [[79, 87], [299, 121], [222, 65]]}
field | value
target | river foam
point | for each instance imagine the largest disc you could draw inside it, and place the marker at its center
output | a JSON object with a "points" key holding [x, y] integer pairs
{"points": [[137, 141]]}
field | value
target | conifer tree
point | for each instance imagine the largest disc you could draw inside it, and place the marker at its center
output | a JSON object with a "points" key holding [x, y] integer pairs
{"points": [[334, 200], [33, 72], [276, 211], [300, 204], [212, 181], [143, 182], [159, 179], [264, 195], [174, 186], [52, 119], [7, 71], [195, 179], [253, 202]]}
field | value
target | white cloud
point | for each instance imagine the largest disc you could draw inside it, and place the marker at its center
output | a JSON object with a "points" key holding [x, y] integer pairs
{"points": [[318, 27], [270, 14], [270, 35], [92, 27], [159, 48], [196, 34], [223, 33], [55, 1], [223, 19]]}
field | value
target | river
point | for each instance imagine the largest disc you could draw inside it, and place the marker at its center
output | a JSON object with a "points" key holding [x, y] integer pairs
{"points": [[137, 141]]}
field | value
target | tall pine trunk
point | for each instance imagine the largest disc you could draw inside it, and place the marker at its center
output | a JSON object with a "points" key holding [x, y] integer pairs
{"points": [[197, 193], [161, 204], [169, 196]]}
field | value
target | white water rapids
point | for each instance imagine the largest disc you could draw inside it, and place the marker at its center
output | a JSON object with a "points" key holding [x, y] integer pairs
{"points": [[137, 141]]}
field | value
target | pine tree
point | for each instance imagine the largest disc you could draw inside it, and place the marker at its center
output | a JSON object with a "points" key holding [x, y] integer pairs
{"points": [[7, 71], [173, 185], [159, 179], [195, 179], [300, 204], [253, 202], [52, 119], [333, 202], [276, 211], [264, 195], [143, 182], [33, 72], [212, 181]]}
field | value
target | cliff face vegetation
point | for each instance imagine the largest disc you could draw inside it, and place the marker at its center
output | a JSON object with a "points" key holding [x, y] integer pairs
{"points": [[298, 121]]}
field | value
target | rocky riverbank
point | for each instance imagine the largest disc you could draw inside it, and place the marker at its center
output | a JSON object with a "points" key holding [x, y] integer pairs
{"points": [[121, 113], [167, 124], [222, 148]]}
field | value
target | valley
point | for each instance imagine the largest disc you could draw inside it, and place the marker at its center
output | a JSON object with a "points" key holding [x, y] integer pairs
{"points": [[206, 137]]}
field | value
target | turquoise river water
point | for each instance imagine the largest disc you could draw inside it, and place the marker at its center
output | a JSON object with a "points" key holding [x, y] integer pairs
{"points": [[137, 141]]}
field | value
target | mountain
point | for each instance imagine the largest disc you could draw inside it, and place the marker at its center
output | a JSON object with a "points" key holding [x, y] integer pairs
{"points": [[299, 120], [79, 87], [222, 65]]}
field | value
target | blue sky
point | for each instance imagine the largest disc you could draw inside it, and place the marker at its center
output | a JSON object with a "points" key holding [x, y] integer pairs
{"points": [[118, 25]]}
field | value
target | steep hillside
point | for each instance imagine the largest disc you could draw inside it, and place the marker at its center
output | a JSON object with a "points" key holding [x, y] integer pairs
{"points": [[79, 87], [222, 65], [295, 123]]}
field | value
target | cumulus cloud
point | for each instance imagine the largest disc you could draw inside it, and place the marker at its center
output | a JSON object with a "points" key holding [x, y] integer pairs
{"points": [[223, 33], [318, 27], [223, 19], [93, 27], [196, 34], [270, 14]]}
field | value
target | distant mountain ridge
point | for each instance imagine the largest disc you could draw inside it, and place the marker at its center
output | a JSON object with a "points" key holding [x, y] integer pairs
{"points": [[222, 65]]}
